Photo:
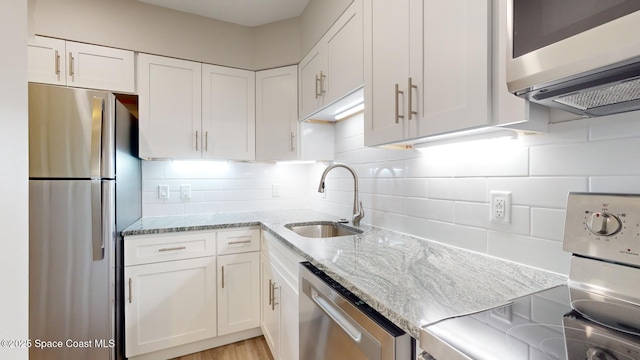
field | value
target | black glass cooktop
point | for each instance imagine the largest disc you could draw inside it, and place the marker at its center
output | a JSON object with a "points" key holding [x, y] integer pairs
{"points": [[561, 323]]}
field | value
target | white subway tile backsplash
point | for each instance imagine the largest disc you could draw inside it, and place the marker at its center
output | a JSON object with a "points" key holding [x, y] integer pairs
{"points": [[463, 189], [527, 250], [440, 192], [548, 192], [477, 215], [547, 223], [612, 157], [615, 184], [474, 239], [619, 126]]}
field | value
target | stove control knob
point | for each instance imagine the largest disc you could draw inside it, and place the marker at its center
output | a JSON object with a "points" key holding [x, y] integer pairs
{"points": [[603, 224]]}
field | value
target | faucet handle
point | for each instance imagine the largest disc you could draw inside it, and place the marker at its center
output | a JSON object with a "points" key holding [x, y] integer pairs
{"points": [[358, 216]]}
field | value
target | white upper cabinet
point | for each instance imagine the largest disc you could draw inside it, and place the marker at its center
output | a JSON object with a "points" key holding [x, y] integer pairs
{"points": [[169, 106], [276, 114], [431, 69], [60, 62], [190, 110], [228, 113], [387, 67], [454, 92], [334, 67]]}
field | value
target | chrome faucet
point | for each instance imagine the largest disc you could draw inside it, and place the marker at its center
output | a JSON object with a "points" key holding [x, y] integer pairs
{"points": [[358, 210]]}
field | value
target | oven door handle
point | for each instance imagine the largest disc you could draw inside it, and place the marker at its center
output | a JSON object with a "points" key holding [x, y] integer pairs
{"points": [[327, 307]]}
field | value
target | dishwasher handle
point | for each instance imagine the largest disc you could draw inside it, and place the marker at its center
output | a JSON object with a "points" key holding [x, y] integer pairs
{"points": [[327, 307]]}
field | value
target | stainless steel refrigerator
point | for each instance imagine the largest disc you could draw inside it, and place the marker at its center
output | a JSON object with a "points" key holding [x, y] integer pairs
{"points": [[84, 189]]}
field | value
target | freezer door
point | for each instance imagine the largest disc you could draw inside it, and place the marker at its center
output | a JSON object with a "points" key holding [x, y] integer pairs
{"points": [[71, 133], [71, 297]]}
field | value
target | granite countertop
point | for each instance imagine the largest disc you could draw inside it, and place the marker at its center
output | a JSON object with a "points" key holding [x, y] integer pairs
{"points": [[412, 281]]}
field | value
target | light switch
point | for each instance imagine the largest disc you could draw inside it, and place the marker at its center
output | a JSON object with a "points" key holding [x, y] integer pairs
{"points": [[163, 192], [275, 190], [185, 191]]}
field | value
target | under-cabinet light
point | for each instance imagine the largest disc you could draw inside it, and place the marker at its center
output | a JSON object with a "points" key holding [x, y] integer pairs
{"points": [[355, 109]]}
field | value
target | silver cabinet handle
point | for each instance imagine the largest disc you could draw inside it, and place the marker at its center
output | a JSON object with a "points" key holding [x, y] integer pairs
{"points": [[398, 116], [322, 77], [206, 141], [130, 288], [173, 248], [239, 242], [196, 140], [57, 60], [71, 66], [270, 291], [223, 276], [273, 296], [292, 146], [411, 87], [317, 87]]}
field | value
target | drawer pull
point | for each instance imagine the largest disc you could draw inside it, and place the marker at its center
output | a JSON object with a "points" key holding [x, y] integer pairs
{"points": [[270, 291], [239, 242], [223, 277], [173, 248]]}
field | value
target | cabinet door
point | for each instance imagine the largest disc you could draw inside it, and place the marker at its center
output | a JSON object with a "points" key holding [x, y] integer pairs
{"points": [[386, 65], [344, 48], [270, 311], [46, 61], [312, 77], [169, 304], [228, 113], [457, 66], [276, 114], [99, 67], [169, 108], [238, 292], [289, 347]]}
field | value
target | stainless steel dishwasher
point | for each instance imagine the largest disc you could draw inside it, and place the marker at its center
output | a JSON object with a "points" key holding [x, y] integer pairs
{"points": [[336, 324]]}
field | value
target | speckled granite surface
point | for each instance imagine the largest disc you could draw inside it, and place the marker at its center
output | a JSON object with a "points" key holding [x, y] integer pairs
{"points": [[412, 281]]}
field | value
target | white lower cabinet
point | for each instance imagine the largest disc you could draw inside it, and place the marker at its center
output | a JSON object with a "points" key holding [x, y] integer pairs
{"points": [[180, 298], [280, 298], [169, 304], [238, 292]]}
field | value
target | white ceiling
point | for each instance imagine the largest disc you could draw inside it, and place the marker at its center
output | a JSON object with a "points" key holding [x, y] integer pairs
{"points": [[242, 12]]}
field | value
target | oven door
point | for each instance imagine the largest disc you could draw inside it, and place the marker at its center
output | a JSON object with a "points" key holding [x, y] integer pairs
{"points": [[550, 40], [334, 324]]}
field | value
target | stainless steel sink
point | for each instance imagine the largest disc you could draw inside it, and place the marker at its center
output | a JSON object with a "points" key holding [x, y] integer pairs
{"points": [[322, 229]]}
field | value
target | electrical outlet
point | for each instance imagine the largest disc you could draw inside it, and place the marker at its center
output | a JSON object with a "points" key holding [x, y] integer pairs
{"points": [[275, 190], [163, 192], [185, 191], [500, 205]]}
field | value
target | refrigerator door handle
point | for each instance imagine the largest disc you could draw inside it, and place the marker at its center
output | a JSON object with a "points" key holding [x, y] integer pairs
{"points": [[97, 238], [97, 117]]}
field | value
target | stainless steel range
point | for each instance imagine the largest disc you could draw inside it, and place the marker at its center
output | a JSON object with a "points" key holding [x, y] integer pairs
{"points": [[596, 316]]}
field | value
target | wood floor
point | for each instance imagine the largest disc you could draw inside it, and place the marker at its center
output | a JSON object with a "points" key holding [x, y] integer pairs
{"points": [[250, 349]]}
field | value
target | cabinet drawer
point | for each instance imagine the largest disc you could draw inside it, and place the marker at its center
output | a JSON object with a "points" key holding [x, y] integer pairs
{"points": [[238, 241], [145, 249]]}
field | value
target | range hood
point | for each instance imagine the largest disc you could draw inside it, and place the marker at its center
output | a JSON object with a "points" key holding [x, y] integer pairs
{"points": [[601, 92]]}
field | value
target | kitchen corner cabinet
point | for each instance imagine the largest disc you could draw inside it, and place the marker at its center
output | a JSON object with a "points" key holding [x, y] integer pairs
{"points": [[228, 113], [334, 66], [68, 63], [279, 298], [189, 110], [277, 114]]}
